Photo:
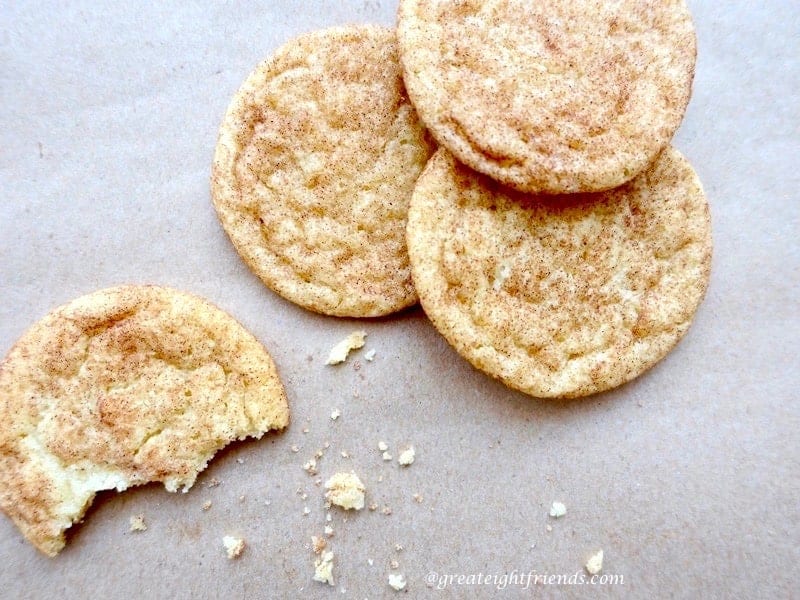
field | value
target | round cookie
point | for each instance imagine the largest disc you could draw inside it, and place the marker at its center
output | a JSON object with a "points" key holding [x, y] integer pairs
{"points": [[554, 96], [122, 387], [560, 296], [314, 168]]}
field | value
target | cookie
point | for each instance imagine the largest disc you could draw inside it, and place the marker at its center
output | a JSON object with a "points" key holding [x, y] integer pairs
{"points": [[560, 296], [122, 387], [314, 168], [555, 96]]}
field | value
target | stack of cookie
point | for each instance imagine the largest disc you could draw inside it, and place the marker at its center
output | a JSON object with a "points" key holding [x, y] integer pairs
{"points": [[554, 238], [557, 295]]}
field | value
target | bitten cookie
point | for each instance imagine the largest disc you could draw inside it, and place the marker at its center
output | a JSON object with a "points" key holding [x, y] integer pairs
{"points": [[560, 296], [554, 96], [314, 168], [123, 387]]}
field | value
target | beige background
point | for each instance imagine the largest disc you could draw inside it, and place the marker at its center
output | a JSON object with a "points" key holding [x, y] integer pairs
{"points": [[688, 478]]}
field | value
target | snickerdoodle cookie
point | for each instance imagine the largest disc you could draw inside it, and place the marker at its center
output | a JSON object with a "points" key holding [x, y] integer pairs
{"points": [[122, 387], [560, 296], [554, 96], [314, 168]]}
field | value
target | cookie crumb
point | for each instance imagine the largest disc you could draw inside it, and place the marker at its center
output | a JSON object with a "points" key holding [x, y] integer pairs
{"points": [[549, 528], [339, 352], [558, 510], [345, 454], [206, 505], [595, 563], [213, 483], [323, 568], [318, 544], [406, 456], [418, 498], [393, 564], [240, 461], [306, 430], [387, 510], [370, 355], [294, 448], [370, 562], [398, 548], [306, 511], [345, 490], [383, 446], [137, 523], [386, 456], [373, 507], [310, 467], [234, 546], [335, 414], [397, 581]]}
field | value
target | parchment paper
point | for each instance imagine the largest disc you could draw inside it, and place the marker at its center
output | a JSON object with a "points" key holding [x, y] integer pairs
{"points": [[687, 478]]}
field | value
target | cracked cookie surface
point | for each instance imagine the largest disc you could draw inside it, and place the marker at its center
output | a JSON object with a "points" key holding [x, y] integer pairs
{"points": [[122, 387], [556, 96], [560, 296], [314, 168]]}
